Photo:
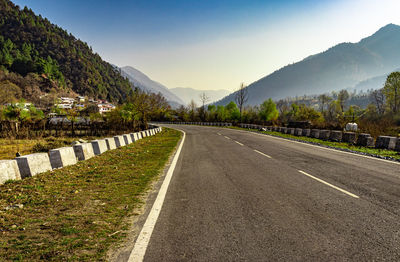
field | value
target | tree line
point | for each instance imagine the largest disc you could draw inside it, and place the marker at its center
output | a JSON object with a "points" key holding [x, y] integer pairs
{"points": [[376, 111], [23, 120]]}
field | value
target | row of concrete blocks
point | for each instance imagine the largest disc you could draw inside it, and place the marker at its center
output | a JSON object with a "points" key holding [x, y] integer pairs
{"points": [[251, 126], [382, 142], [201, 123], [33, 164]]}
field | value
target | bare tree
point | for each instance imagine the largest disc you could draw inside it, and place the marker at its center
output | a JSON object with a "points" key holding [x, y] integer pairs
{"points": [[241, 98], [192, 110], [343, 96], [283, 106], [378, 99], [324, 100], [204, 99]]}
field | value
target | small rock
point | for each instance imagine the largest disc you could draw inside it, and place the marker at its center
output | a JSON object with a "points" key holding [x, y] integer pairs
{"points": [[14, 226], [19, 205], [44, 226], [14, 207]]}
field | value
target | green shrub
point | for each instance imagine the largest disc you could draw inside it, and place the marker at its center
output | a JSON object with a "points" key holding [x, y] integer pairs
{"points": [[46, 146]]}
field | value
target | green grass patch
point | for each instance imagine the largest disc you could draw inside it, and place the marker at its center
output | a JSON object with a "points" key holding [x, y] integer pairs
{"points": [[339, 145], [77, 213]]}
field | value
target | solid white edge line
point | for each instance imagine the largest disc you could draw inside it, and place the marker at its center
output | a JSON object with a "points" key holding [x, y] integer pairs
{"points": [[239, 143], [139, 249], [326, 183], [321, 147]]}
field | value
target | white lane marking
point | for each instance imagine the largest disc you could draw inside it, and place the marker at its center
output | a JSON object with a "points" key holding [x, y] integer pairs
{"points": [[261, 153], [326, 183], [239, 143], [321, 147], [219, 134], [139, 250], [226, 137]]}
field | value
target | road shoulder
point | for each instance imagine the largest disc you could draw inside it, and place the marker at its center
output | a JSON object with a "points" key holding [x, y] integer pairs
{"points": [[138, 219]]}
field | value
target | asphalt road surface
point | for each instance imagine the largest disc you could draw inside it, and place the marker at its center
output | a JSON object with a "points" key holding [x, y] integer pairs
{"points": [[240, 196]]}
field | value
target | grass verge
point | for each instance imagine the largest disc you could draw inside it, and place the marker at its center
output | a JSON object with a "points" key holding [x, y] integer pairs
{"points": [[78, 212], [383, 153], [9, 147]]}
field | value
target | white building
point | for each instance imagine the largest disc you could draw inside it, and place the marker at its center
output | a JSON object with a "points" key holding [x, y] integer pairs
{"points": [[64, 106], [81, 99], [104, 108], [67, 100]]}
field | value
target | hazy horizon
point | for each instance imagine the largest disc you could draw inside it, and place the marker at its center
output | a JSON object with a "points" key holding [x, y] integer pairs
{"points": [[211, 45]]}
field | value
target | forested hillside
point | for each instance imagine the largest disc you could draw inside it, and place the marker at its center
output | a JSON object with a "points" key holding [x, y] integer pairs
{"points": [[34, 50]]}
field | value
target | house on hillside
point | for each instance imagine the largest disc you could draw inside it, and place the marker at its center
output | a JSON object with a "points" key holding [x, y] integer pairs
{"points": [[64, 106], [81, 99], [25, 106], [67, 100], [65, 103], [80, 106], [105, 107]]}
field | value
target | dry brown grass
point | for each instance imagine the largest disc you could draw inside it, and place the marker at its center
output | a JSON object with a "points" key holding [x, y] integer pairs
{"points": [[76, 213], [9, 147]]}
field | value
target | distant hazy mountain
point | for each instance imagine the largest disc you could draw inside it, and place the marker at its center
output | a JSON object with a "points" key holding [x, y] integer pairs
{"points": [[342, 66], [376, 82], [372, 83], [145, 83], [187, 94]]}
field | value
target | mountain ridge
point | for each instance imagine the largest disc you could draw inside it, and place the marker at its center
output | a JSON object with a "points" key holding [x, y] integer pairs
{"points": [[31, 44], [339, 67], [141, 80]]}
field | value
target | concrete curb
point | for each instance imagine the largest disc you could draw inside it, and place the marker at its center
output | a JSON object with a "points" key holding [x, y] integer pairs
{"points": [[10, 170], [84, 151], [61, 157], [110, 143], [33, 164], [99, 146]]}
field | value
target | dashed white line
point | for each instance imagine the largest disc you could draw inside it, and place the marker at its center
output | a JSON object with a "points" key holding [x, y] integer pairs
{"points": [[320, 147], [219, 134], [139, 250], [226, 137], [239, 143], [326, 183], [261, 153]]}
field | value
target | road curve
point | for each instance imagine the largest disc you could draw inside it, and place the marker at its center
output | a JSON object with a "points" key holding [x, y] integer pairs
{"points": [[240, 196]]}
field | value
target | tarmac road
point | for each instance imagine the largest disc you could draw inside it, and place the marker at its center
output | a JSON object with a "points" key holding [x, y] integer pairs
{"points": [[240, 196]]}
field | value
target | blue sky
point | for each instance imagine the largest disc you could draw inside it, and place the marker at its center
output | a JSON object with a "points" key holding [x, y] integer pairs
{"points": [[208, 44]]}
